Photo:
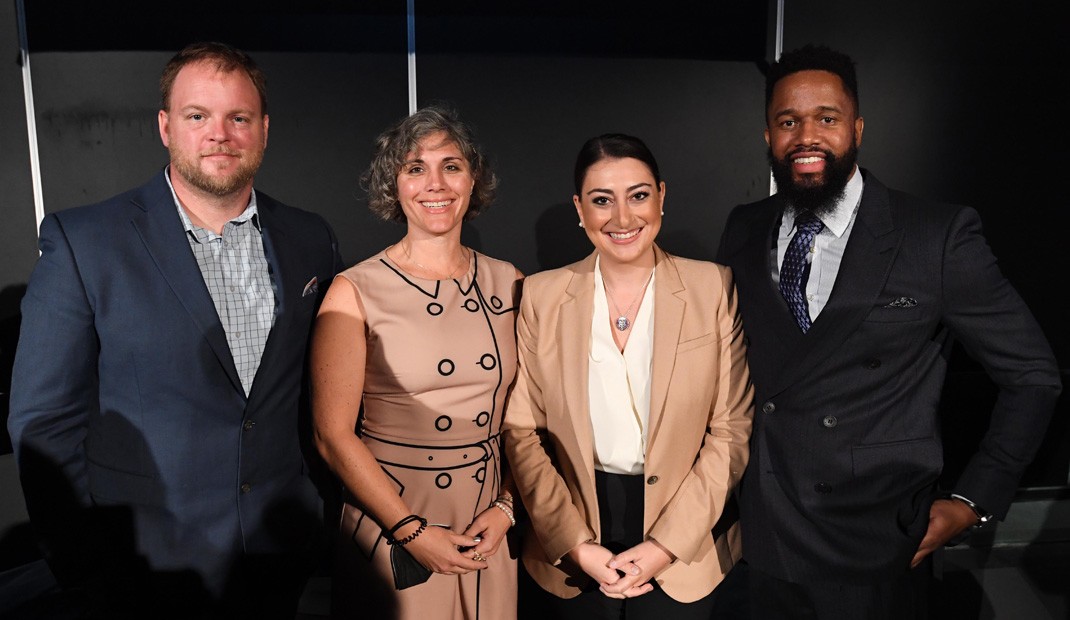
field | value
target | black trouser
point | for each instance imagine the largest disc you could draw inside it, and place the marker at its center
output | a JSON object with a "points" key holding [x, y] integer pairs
{"points": [[901, 598], [620, 505]]}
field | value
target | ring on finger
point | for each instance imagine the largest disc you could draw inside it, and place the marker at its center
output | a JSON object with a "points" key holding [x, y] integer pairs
{"points": [[478, 557]]}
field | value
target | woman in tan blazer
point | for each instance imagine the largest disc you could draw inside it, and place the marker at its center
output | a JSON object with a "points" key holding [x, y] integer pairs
{"points": [[627, 429]]}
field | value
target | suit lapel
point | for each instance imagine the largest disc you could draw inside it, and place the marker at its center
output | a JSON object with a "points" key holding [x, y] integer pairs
{"points": [[668, 321], [864, 269], [757, 265], [765, 313], [281, 261], [161, 231], [574, 336]]}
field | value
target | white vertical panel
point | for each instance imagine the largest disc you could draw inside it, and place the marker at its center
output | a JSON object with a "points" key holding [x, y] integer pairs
{"points": [[411, 9], [31, 116], [779, 50]]}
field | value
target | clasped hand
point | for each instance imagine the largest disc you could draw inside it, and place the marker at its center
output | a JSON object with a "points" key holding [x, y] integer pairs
{"points": [[446, 552], [627, 574]]}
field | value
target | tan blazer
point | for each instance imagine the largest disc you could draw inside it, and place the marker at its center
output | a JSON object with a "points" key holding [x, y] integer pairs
{"points": [[700, 420]]}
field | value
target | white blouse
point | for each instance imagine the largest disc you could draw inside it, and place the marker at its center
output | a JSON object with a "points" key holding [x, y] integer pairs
{"points": [[618, 384]]}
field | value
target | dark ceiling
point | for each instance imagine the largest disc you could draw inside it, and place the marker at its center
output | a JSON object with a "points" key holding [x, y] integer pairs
{"points": [[656, 28]]}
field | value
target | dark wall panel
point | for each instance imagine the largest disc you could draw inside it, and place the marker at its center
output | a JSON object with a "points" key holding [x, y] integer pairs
{"points": [[18, 224], [701, 118], [18, 252], [97, 124]]}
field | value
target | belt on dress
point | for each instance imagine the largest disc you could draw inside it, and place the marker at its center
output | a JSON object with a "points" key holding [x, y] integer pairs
{"points": [[432, 458]]}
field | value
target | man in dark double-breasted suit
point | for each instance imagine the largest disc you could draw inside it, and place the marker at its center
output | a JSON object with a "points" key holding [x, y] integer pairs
{"points": [[159, 375], [851, 295]]}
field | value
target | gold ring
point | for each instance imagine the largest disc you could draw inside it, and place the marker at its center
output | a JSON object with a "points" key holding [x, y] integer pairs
{"points": [[478, 557]]}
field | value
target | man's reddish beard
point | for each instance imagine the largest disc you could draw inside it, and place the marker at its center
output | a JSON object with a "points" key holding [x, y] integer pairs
{"points": [[189, 169]]}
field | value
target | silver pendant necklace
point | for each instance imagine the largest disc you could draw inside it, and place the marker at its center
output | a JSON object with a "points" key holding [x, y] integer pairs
{"points": [[622, 321]]}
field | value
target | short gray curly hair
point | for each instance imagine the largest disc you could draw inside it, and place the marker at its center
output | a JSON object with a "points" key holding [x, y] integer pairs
{"points": [[393, 146]]}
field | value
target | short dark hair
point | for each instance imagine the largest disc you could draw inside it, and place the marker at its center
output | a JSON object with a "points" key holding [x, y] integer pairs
{"points": [[224, 57], [813, 58], [393, 146], [612, 146]]}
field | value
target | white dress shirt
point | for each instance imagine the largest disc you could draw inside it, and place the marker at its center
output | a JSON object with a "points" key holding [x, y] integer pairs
{"points": [[619, 384]]}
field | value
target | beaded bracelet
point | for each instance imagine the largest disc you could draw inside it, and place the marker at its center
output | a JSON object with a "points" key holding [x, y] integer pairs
{"points": [[400, 524], [411, 537], [390, 540], [500, 505]]}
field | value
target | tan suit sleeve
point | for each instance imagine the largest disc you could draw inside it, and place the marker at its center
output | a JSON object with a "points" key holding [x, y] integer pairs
{"points": [[687, 519], [557, 523]]}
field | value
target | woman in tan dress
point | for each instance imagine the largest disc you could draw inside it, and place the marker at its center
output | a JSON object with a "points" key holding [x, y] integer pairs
{"points": [[421, 334]]}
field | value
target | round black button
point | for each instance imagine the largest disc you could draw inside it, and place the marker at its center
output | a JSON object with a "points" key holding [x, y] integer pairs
{"points": [[823, 488], [768, 407], [245, 488], [652, 480], [829, 421], [873, 364], [248, 425]]}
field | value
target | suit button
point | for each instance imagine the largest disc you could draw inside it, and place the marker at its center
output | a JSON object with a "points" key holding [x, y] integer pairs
{"points": [[249, 424], [829, 421], [873, 364], [823, 488], [652, 480], [768, 407], [246, 487]]}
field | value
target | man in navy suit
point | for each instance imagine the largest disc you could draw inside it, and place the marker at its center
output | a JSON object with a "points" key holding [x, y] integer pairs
{"points": [[157, 393], [851, 295]]}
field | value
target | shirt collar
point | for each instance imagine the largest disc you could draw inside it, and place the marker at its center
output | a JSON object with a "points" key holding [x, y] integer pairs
{"points": [[250, 212]]}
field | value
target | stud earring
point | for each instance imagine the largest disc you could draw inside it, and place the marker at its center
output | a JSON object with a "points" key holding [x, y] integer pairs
{"points": [[663, 213], [580, 224]]}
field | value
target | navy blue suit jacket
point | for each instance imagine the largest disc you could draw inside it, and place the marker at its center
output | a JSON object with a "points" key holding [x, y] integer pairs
{"points": [[846, 450], [125, 396]]}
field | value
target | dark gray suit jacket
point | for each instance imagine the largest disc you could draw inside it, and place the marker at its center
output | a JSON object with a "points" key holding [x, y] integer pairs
{"points": [[127, 409], [846, 448]]}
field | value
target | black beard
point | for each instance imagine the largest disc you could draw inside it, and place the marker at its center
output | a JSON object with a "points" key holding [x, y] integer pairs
{"points": [[821, 199]]}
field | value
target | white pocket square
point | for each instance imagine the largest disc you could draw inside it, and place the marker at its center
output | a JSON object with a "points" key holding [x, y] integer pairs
{"points": [[311, 288]]}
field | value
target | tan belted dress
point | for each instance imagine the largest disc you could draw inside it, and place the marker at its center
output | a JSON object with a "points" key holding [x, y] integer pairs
{"points": [[441, 359]]}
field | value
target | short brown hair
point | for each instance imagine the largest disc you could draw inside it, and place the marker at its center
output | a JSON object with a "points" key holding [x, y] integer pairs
{"points": [[393, 146], [224, 57]]}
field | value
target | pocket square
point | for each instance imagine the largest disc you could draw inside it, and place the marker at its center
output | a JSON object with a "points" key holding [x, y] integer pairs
{"points": [[903, 302], [311, 288]]}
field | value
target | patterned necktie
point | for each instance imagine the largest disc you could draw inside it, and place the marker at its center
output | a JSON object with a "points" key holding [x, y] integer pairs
{"points": [[792, 282]]}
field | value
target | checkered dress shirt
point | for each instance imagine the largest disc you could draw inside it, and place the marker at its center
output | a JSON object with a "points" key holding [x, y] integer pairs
{"points": [[238, 277]]}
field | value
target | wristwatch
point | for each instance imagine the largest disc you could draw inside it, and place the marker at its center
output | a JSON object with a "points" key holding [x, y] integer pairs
{"points": [[983, 516], [983, 519]]}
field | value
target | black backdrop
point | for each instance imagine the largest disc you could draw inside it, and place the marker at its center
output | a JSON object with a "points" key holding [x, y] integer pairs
{"points": [[958, 98]]}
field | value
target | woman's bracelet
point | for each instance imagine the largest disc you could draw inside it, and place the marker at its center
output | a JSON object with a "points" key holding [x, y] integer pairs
{"points": [[390, 540], [400, 524], [500, 505]]}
